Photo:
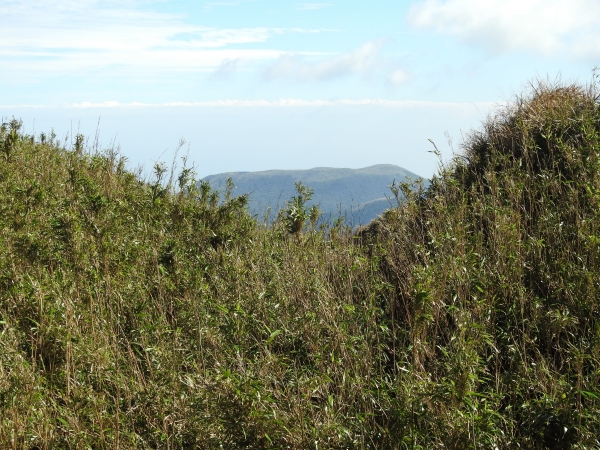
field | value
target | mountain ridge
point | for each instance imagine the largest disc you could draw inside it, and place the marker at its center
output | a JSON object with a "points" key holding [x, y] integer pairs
{"points": [[359, 195]]}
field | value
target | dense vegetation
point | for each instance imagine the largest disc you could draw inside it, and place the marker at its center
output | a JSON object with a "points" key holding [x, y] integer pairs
{"points": [[148, 314]]}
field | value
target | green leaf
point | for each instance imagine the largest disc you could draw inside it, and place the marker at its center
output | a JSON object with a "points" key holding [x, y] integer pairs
{"points": [[63, 421], [589, 394], [273, 336]]}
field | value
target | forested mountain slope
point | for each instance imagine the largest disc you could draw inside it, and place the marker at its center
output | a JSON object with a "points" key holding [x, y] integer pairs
{"points": [[359, 195]]}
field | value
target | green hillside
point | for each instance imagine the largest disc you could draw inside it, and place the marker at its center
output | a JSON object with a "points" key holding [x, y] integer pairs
{"points": [[155, 314], [336, 191]]}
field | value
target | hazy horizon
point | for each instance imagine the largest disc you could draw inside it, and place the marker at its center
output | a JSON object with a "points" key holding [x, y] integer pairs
{"points": [[264, 84]]}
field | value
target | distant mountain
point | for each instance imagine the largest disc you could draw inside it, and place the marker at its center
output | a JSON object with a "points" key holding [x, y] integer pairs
{"points": [[359, 195]]}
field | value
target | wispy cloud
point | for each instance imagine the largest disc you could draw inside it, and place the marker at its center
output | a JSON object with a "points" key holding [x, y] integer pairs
{"points": [[545, 27], [53, 37], [365, 61], [397, 77], [226, 69], [312, 6], [281, 103]]}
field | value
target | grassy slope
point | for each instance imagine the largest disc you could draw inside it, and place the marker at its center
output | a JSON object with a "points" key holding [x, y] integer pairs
{"points": [[336, 190], [134, 316]]}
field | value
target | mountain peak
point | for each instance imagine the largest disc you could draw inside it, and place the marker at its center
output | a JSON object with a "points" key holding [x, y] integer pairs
{"points": [[358, 194]]}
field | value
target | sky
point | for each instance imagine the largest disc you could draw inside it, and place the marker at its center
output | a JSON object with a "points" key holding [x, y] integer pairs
{"points": [[276, 84]]}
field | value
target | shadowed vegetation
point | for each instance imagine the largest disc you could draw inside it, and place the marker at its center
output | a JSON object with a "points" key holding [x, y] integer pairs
{"points": [[150, 314]]}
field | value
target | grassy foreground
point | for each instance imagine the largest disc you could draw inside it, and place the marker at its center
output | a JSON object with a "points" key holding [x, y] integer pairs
{"points": [[139, 314]]}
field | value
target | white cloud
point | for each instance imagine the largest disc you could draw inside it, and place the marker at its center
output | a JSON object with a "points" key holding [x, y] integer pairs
{"points": [[281, 103], [366, 60], [51, 37], [398, 77], [226, 69], [545, 27]]}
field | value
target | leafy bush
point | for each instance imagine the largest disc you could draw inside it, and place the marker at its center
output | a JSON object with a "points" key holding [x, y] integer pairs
{"points": [[497, 282]]}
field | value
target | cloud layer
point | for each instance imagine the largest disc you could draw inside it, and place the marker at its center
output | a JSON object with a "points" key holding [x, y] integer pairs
{"points": [[366, 61], [53, 37], [547, 27], [281, 103]]}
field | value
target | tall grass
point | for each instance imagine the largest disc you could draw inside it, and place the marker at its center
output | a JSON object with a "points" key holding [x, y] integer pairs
{"points": [[150, 314]]}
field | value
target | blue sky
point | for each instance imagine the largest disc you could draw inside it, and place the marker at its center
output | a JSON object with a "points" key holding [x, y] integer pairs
{"points": [[265, 84]]}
